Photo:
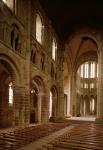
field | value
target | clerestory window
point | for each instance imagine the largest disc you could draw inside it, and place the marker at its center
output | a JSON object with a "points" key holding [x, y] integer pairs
{"points": [[89, 70], [39, 29], [54, 49], [11, 4]]}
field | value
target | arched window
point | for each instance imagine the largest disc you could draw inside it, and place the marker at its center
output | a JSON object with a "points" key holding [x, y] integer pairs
{"points": [[11, 4], [39, 29], [10, 94], [12, 38], [50, 106], [15, 38], [54, 49], [88, 70], [42, 62]]}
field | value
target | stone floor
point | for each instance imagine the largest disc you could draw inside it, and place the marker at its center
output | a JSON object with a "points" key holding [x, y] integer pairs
{"points": [[78, 127], [39, 143], [88, 118]]}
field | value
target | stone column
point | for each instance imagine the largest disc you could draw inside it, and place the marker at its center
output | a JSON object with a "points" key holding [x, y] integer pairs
{"points": [[60, 107], [73, 95], [100, 85], [44, 108], [39, 108], [19, 105], [78, 105], [60, 87], [82, 106], [27, 63]]}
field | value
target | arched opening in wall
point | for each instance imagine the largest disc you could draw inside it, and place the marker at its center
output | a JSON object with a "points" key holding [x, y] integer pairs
{"points": [[15, 38], [53, 107], [86, 85], [39, 29], [6, 95], [37, 95], [34, 107]]}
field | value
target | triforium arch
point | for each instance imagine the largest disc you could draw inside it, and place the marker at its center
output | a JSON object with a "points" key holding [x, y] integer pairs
{"points": [[53, 106], [9, 78], [38, 101]]}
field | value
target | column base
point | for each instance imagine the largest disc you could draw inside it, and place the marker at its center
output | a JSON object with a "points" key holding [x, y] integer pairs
{"points": [[57, 119], [99, 120]]}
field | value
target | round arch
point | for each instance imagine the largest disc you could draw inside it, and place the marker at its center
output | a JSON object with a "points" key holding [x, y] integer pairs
{"points": [[88, 56], [12, 68], [38, 100], [9, 77]]}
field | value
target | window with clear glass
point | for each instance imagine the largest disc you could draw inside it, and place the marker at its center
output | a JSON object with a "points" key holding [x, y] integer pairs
{"points": [[11, 4], [50, 106], [93, 70], [85, 85], [89, 70], [81, 71], [39, 29], [54, 49], [10, 94], [91, 85], [92, 105]]}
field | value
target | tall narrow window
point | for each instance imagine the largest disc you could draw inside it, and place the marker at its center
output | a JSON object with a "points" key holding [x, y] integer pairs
{"points": [[91, 85], [12, 38], [16, 38], [93, 70], [10, 94], [50, 106], [85, 85], [10, 4], [86, 70], [16, 42], [81, 71], [89, 70], [92, 105], [97, 70], [5, 1], [39, 29], [54, 49]]}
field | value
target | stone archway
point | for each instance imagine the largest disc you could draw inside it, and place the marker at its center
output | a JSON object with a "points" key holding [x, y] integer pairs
{"points": [[7, 81], [38, 100], [80, 47]]}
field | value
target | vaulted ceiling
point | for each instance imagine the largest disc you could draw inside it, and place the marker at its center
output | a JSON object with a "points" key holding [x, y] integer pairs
{"points": [[69, 15]]}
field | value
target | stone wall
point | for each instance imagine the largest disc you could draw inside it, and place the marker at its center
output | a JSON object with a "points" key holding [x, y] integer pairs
{"points": [[28, 59]]}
